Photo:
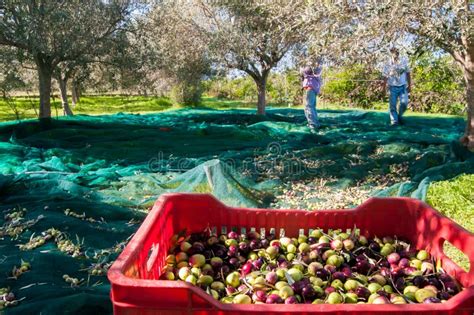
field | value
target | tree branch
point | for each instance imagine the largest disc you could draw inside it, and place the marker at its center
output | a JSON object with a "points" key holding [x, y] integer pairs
{"points": [[6, 42], [459, 57]]}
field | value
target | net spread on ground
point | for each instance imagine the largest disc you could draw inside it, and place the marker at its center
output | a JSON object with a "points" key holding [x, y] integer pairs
{"points": [[80, 186]]}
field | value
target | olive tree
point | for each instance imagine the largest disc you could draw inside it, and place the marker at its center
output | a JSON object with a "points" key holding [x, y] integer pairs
{"points": [[52, 32], [253, 36], [10, 67], [175, 47], [250, 36], [362, 30]]}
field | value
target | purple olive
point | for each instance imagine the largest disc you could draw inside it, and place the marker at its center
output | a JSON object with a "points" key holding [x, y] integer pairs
{"points": [[322, 247], [234, 262], [244, 248], [273, 299], [216, 262], [384, 271], [305, 281], [419, 281], [258, 263], [362, 267], [397, 272], [254, 244], [444, 277], [361, 258], [284, 264], [208, 254], [436, 283], [400, 284], [409, 271], [247, 268], [384, 263], [383, 293], [221, 253], [291, 300], [344, 265], [297, 287], [362, 292], [404, 263], [271, 277], [432, 300], [323, 274], [264, 243], [198, 246], [393, 258], [312, 240], [339, 275], [330, 268], [217, 247], [347, 272], [259, 295], [225, 269], [451, 287], [374, 246], [233, 235], [232, 252], [308, 292], [444, 296]]}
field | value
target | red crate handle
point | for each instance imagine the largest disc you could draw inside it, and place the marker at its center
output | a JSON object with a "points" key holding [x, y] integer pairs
{"points": [[458, 237]]}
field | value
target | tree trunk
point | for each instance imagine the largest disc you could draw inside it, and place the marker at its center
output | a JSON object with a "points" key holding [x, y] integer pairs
{"points": [[45, 72], [468, 68], [262, 89], [468, 138], [75, 93], [64, 102]]}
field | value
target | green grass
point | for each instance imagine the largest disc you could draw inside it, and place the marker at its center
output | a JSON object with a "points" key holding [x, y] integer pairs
{"points": [[27, 107], [213, 102], [216, 103], [455, 199]]}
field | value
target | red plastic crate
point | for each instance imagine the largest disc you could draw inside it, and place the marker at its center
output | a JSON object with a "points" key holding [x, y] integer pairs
{"points": [[135, 288]]}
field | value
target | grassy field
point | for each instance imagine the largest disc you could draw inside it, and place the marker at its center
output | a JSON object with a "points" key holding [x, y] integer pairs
{"points": [[455, 199], [27, 107], [19, 108]]}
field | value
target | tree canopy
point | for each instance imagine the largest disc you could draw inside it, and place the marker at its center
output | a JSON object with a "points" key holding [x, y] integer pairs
{"points": [[183, 42]]}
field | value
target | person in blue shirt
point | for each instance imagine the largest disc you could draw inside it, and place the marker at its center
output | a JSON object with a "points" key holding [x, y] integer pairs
{"points": [[311, 86], [397, 76]]}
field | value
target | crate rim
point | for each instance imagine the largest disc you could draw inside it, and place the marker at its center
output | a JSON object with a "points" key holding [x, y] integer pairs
{"points": [[118, 278]]}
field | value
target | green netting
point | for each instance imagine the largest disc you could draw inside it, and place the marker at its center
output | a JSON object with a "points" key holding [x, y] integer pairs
{"points": [[112, 168]]}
